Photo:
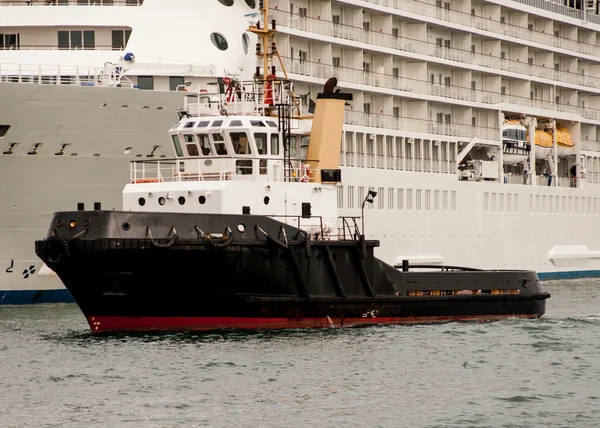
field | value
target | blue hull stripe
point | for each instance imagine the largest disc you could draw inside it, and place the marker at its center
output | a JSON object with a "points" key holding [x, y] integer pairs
{"points": [[575, 274], [27, 297]]}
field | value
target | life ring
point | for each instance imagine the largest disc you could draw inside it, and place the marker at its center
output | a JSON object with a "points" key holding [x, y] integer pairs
{"points": [[305, 178], [55, 250]]}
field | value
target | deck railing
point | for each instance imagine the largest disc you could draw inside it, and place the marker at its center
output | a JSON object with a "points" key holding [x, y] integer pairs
{"points": [[71, 2], [387, 40], [221, 168]]}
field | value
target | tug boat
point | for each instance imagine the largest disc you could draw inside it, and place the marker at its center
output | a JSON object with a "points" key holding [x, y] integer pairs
{"points": [[156, 267], [241, 229]]}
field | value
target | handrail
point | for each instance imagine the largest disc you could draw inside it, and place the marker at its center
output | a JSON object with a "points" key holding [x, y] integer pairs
{"points": [[71, 3], [423, 86], [408, 44], [221, 168], [56, 47], [423, 7]]}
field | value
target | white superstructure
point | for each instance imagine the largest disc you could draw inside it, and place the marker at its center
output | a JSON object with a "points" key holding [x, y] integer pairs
{"points": [[433, 83]]}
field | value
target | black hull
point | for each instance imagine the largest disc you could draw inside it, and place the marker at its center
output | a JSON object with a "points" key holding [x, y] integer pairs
{"points": [[269, 276]]}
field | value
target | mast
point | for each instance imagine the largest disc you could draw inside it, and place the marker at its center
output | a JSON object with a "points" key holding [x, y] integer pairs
{"points": [[266, 49]]}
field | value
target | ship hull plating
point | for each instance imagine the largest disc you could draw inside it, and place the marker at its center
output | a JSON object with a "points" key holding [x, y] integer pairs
{"points": [[148, 272]]}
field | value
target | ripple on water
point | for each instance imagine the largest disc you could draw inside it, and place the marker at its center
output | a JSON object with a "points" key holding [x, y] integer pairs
{"points": [[525, 373]]}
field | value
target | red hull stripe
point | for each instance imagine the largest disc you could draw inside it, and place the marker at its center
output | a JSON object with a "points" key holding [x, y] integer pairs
{"points": [[100, 324]]}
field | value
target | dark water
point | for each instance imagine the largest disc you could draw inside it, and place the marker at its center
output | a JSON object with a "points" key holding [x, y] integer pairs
{"points": [[515, 373]]}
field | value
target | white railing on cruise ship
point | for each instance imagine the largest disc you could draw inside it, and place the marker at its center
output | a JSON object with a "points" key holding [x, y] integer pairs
{"points": [[95, 47], [404, 84], [71, 2], [63, 75], [419, 125], [432, 10], [391, 41]]}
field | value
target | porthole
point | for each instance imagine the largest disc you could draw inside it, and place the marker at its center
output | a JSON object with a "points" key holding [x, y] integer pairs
{"points": [[86, 222], [181, 200], [245, 42], [127, 150], [126, 226], [202, 200], [226, 2], [241, 227], [72, 224], [266, 200], [161, 200], [251, 3], [59, 223], [219, 41], [142, 202]]}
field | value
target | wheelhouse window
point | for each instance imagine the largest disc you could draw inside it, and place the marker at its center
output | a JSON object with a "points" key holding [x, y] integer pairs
{"points": [[192, 150], [241, 145], [261, 142], [220, 146], [274, 144], [190, 145], [177, 145], [205, 144]]}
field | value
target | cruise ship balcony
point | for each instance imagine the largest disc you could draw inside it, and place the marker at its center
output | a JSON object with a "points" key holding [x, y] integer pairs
{"points": [[422, 86], [407, 46]]}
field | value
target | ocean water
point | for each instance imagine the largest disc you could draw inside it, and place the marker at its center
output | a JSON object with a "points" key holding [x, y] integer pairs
{"points": [[513, 373]]}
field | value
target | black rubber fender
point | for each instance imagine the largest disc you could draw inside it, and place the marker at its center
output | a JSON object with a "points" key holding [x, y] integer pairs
{"points": [[55, 250], [225, 244], [169, 244]]}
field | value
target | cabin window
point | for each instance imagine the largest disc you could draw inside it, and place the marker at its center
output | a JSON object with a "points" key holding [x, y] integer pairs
{"points": [[220, 146], [240, 143], [219, 41], [243, 167], [189, 125], [274, 144], [120, 39], [261, 142], [304, 147], [217, 123], [203, 124], [205, 144], [257, 123], [177, 145], [236, 123], [146, 82], [262, 167], [293, 147], [175, 81], [271, 124]]}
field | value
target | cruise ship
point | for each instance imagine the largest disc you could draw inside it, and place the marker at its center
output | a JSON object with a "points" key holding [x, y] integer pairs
{"points": [[474, 122]]}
